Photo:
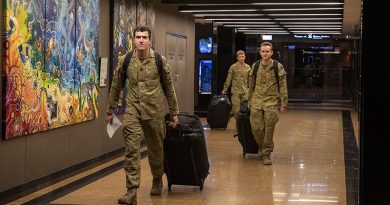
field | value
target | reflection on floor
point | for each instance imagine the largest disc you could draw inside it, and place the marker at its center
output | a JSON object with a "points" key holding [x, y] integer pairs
{"points": [[308, 168]]}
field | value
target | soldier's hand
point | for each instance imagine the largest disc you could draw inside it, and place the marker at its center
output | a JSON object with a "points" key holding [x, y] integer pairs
{"points": [[174, 121], [223, 92], [109, 118], [283, 109]]}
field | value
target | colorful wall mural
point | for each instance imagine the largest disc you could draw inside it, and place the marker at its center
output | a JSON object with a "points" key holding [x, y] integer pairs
{"points": [[127, 14], [50, 64]]}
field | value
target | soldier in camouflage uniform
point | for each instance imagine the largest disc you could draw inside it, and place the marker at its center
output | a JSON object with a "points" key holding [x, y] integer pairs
{"points": [[238, 77], [265, 100], [144, 112]]}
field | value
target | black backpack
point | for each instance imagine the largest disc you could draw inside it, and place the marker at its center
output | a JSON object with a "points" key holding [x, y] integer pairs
{"points": [[159, 65], [274, 66]]}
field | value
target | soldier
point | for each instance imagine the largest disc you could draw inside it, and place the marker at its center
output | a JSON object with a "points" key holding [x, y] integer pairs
{"points": [[265, 97], [144, 111], [238, 76]]}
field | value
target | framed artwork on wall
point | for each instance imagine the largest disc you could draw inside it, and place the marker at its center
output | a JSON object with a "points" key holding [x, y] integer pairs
{"points": [[50, 64], [125, 16]]}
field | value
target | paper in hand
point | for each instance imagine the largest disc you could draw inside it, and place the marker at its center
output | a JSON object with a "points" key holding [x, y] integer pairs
{"points": [[111, 128]]}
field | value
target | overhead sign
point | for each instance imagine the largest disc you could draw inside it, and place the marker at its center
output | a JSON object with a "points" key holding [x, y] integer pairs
{"points": [[266, 37], [312, 36]]}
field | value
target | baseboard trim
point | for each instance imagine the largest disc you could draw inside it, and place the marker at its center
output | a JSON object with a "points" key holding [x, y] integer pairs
{"points": [[32, 186]]}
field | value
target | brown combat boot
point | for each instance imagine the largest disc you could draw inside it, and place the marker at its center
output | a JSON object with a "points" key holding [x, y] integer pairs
{"points": [[156, 187], [129, 198], [267, 160]]}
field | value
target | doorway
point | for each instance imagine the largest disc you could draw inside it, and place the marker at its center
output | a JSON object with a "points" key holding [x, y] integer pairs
{"points": [[176, 46]]}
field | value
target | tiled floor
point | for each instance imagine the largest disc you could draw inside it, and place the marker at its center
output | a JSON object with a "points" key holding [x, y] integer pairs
{"points": [[308, 168]]}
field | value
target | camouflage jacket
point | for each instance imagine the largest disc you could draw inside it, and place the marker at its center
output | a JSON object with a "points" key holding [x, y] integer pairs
{"points": [[145, 96], [238, 76], [264, 92]]}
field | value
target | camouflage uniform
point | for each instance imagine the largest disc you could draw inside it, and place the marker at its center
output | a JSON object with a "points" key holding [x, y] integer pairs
{"points": [[238, 76], [144, 112], [265, 101]]}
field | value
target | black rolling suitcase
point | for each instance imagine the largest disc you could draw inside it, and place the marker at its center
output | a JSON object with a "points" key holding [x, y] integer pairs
{"points": [[245, 136], [185, 153], [219, 111]]}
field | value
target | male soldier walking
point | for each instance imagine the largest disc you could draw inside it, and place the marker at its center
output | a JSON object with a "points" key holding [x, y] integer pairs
{"points": [[144, 111], [267, 93], [238, 76]]}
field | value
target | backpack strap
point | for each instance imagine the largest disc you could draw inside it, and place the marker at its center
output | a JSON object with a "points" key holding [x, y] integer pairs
{"points": [[274, 66], [159, 65], [256, 68], [160, 68], [126, 62], [276, 69]]}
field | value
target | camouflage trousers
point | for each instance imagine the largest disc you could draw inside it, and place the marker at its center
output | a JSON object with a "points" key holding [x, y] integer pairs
{"points": [[236, 100], [263, 125], [154, 133]]}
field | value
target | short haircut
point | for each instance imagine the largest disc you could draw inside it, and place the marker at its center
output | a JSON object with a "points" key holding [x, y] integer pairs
{"points": [[267, 44], [142, 29], [240, 52]]}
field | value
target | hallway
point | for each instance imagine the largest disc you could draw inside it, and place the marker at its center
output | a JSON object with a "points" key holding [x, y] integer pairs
{"points": [[308, 168]]}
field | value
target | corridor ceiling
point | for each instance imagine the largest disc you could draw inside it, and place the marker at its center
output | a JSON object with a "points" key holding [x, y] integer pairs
{"points": [[277, 16]]}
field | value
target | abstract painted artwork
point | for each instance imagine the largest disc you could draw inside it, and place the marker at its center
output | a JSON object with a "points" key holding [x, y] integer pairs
{"points": [[50, 64], [127, 14], [124, 22]]}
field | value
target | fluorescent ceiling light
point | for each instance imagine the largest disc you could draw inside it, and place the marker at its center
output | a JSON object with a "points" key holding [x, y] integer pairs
{"points": [[313, 26], [306, 19], [229, 19], [324, 3], [315, 32], [313, 200], [304, 14], [219, 10], [244, 22], [316, 28], [235, 14], [264, 33], [212, 14], [243, 25], [302, 9], [309, 31], [302, 22], [261, 28]]}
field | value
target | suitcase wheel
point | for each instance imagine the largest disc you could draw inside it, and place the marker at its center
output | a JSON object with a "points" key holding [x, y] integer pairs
{"points": [[244, 154], [169, 187], [201, 184]]}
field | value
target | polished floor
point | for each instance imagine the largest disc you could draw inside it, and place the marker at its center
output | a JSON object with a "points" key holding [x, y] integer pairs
{"points": [[309, 167]]}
